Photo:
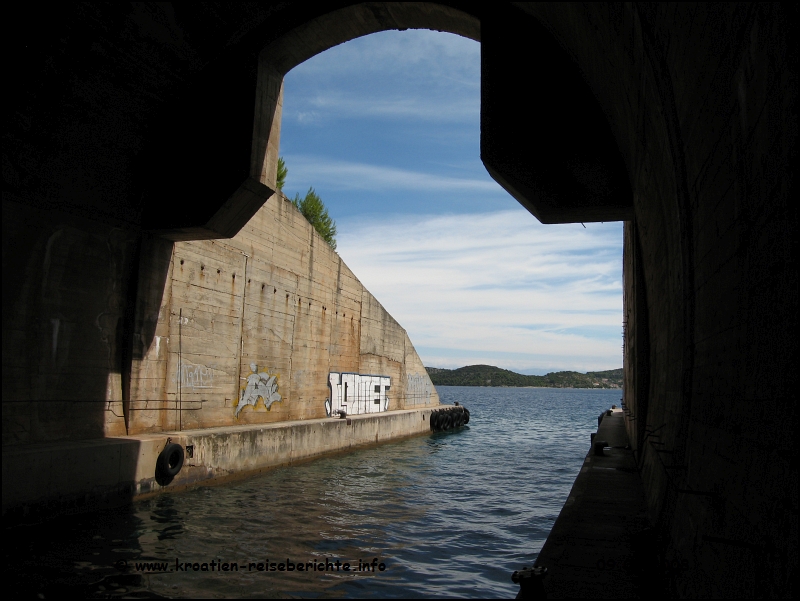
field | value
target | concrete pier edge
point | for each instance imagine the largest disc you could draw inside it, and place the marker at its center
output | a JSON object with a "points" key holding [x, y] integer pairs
{"points": [[42, 481], [600, 545]]}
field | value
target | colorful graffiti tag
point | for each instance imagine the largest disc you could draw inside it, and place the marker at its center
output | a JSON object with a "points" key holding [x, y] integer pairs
{"points": [[260, 385], [357, 394]]}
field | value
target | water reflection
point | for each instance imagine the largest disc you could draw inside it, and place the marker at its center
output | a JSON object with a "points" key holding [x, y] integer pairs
{"points": [[450, 515]]}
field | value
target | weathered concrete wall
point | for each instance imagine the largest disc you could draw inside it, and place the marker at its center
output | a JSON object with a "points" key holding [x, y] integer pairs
{"points": [[275, 296], [198, 315]]}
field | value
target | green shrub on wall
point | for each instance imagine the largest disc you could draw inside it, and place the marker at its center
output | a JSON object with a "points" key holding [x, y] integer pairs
{"points": [[312, 207], [314, 210], [280, 180]]}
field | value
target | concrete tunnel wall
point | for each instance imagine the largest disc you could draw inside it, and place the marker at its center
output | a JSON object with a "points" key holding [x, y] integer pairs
{"points": [[700, 103]]}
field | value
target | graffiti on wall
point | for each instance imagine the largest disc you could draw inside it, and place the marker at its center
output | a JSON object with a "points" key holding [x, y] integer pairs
{"points": [[195, 377], [357, 394], [260, 385], [418, 389]]}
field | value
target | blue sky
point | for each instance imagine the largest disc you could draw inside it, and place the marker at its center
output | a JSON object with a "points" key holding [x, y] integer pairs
{"points": [[386, 128]]}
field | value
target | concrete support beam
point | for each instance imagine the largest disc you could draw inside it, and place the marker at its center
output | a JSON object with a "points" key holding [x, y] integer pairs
{"points": [[544, 137], [207, 169]]}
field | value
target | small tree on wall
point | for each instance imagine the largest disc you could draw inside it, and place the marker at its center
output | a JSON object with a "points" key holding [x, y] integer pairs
{"points": [[312, 207], [315, 212], [282, 171]]}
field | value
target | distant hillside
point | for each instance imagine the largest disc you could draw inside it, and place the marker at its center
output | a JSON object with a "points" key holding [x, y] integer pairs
{"points": [[488, 375]]}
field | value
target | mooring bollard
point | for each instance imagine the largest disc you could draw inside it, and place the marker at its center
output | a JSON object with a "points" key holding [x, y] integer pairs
{"points": [[598, 447]]}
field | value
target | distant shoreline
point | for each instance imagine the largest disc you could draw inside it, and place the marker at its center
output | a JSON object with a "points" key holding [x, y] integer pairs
{"points": [[489, 376], [542, 387]]}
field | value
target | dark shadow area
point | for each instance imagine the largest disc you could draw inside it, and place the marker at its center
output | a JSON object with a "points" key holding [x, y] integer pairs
{"points": [[65, 296], [50, 480], [544, 137], [93, 555], [151, 281]]}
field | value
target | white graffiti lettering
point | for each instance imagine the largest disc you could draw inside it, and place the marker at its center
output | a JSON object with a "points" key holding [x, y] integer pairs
{"points": [[357, 394], [195, 377]]}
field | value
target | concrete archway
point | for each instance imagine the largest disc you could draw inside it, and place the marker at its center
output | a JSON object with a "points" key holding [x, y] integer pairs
{"points": [[553, 150], [604, 112], [139, 118], [252, 69]]}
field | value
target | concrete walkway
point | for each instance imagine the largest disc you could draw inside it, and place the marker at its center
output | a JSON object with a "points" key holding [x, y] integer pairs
{"points": [[599, 545]]}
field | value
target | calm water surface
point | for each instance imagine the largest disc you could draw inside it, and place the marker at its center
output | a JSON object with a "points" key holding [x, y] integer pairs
{"points": [[448, 514]]}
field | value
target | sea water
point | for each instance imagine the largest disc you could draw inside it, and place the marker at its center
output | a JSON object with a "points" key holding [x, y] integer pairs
{"points": [[448, 514]]}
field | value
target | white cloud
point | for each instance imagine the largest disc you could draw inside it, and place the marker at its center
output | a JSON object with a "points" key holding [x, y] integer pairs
{"points": [[415, 75], [382, 105], [502, 285], [346, 175]]}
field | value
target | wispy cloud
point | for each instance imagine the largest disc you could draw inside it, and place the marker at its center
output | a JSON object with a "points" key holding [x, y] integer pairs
{"points": [[522, 294], [346, 175], [411, 76], [321, 109]]}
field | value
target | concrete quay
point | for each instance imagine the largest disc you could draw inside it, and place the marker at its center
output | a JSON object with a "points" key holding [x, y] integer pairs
{"points": [[599, 546], [47, 479]]}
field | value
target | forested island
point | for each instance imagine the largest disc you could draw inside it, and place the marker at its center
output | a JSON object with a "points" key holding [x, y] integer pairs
{"points": [[489, 375]]}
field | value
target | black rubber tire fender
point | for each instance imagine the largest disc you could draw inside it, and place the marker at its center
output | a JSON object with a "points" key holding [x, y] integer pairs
{"points": [[170, 461]]}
